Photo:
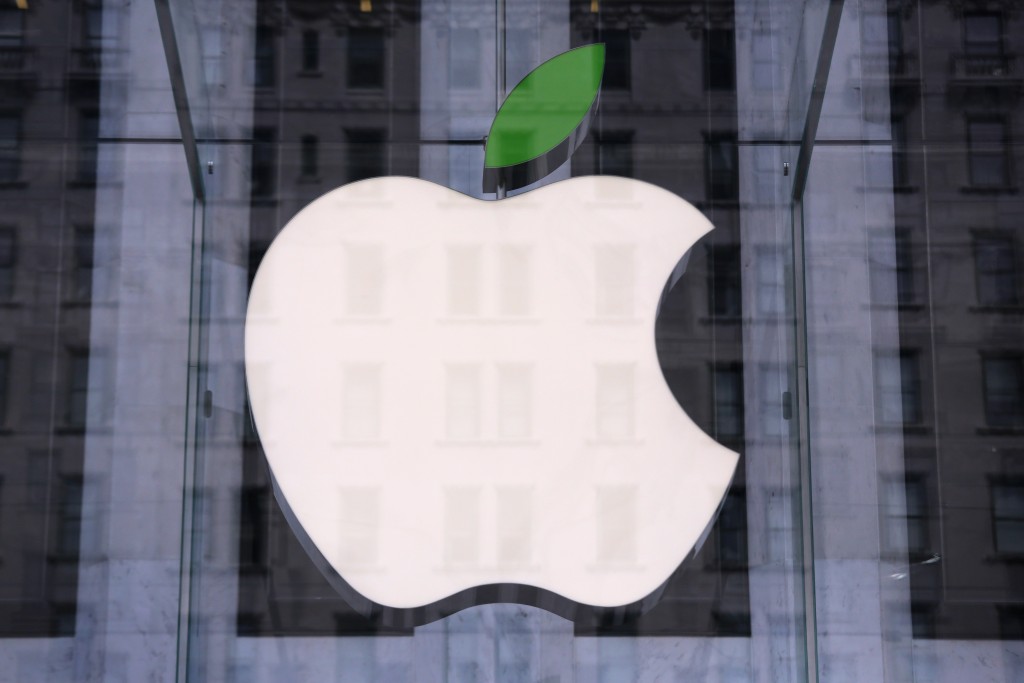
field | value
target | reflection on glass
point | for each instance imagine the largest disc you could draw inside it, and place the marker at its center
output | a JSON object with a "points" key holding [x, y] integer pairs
{"points": [[616, 524], [361, 405], [515, 401], [616, 403], [462, 526], [462, 399], [615, 279]]}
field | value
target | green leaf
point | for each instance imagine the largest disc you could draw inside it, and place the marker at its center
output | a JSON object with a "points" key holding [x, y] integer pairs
{"points": [[546, 108]]}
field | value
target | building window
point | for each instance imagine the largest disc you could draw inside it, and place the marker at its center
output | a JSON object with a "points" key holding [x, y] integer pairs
{"points": [[366, 154], [732, 530], [10, 146], [309, 165], [366, 58], [725, 297], [618, 67], [772, 393], [1003, 378], [464, 58], [77, 389], [5, 370], [719, 59], [462, 402], [906, 512], [1008, 517], [82, 267], [69, 517], [728, 398], [213, 55], [264, 59], [763, 61], [995, 270], [1011, 622], [898, 387], [615, 153], [92, 27], [12, 27], [987, 147], [771, 282], [614, 280], [263, 162], [88, 148], [310, 50], [8, 256], [892, 264], [900, 174], [983, 34], [615, 404], [721, 167]]}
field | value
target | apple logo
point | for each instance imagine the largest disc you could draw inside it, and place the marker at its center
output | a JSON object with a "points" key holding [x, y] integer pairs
{"points": [[460, 401]]}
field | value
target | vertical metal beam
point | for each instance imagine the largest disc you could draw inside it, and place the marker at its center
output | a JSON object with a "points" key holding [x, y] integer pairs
{"points": [[826, 50], [499, 69], [817, 98], [181, 105]]}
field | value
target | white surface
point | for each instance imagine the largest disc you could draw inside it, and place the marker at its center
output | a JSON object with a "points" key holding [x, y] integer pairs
{"points": [[453, 392]]}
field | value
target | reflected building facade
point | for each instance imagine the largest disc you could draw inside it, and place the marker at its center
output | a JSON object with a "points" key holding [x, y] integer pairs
{"points": [[861, 345]]}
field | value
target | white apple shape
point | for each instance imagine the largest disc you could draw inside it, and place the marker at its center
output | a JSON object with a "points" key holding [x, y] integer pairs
{"points": [[453, 392]]}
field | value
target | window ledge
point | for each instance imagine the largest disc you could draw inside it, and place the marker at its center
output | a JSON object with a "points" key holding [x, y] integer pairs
{"points": [[1011, 309], [313, 73], [720, 319], [988, 190], [1006, 558], [1000, 431], [13, 184], [895, 428]]}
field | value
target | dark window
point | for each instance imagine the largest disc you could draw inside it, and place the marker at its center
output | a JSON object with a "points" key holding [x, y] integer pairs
{"points": [[1004, 391], [617, 59], [82, 267], [906, 502], [92, 26], [265, 60], [366, 154], [464, 56], [1011, 622], [8, 256], [900, 158], [724, 293], [898, 388], [366, 58], [263, 162], [5, 370], [88, 133], [69, 517], [12, 27], [892, 263], [983, 34], [894, 31], [732, 531], [10, 146], [1008, 517], [719, 59], [77, 388], [728, 397], [615, 154], [310, 50], [721, 167], [996, 270], [310, 161], [987, 159], [255, 531]]}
